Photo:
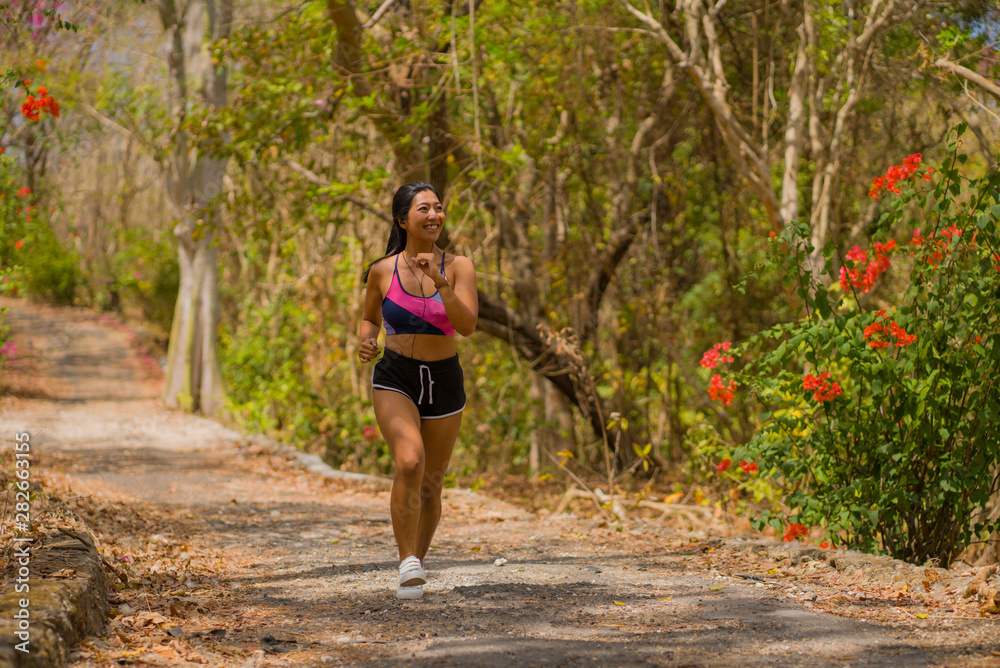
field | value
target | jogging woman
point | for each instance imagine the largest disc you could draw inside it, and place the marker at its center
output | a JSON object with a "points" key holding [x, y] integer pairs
{"points": [[423, 296]]}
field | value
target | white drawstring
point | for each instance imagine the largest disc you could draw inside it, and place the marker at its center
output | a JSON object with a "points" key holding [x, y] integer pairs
{"points": [[430, 385]]}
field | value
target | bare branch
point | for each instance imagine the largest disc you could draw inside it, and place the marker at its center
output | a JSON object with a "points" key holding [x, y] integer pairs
{"points": [[117, 127], [619, 244], [379, 13], [967, 74], [793, 130], [708, 76]]}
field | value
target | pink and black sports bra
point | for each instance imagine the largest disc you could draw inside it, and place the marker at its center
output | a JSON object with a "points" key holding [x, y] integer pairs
{"points": [[403, 313]]}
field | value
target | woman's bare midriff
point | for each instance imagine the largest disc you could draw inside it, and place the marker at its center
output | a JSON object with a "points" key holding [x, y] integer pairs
{"points": [[423, 347]]}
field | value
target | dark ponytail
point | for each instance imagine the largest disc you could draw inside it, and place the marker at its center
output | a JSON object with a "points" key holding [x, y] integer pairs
{"points": [[401, 202]]}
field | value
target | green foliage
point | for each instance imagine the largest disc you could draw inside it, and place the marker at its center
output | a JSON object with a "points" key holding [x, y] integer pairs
{"points": [[500, 418], [274, 388], [28, 245], [51, 272], [144, 273], [881, 424], [7, 349], [264, 380]]}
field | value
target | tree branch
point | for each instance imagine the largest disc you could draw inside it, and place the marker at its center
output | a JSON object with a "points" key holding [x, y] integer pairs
{"points": [[557, 363], [350, 32], [967, 74], [316, 179], [379, 13], [626, 223], [619, 244], [707, 74]]}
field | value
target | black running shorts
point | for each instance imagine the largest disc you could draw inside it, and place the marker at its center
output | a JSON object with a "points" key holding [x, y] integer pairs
{"points": [[437, 388]]}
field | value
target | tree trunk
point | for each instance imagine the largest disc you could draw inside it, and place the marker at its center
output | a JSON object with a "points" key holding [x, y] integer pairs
{"points": [[193, 378]]}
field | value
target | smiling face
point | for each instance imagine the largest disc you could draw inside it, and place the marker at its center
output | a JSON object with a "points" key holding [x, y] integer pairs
{"points": [[425, 218]]}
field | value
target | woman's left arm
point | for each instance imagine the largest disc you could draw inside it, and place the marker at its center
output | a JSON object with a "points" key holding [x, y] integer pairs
{"points": [[461, 296]]}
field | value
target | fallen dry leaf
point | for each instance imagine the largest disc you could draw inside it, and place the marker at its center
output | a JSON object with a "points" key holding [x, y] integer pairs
{"points": [[65, 573]]}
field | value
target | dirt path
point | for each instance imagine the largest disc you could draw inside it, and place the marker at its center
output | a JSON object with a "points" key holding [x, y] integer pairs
{"points": [[237, 556]]}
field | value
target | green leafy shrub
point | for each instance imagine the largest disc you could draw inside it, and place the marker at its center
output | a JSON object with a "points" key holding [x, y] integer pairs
{"points": [[882, 422], [273, 389], [144, 272], [28, 245], [264, 369]]}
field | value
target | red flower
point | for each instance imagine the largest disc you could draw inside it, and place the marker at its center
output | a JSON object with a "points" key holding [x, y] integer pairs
{"points": [[950, 232], [20, 244], [794, 531], [877, 184], [828, 394], [712, 357], [823, 390], [721, 392], [857, 255], [748, 467], [23, 191], [894, 175], [811, 382], [773, 234], [939, 245], [370, 433], [825, 546], [29, 109], [881, 253], [878, 332], [33, 107], [902, 338], [724, 464], [864, 273]]}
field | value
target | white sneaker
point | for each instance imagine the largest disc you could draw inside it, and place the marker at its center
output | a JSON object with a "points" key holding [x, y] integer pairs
{"points": [[411, 573], [410, 592]]}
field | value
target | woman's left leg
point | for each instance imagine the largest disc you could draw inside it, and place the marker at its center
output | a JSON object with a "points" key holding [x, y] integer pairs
{"points": [[439, 441]]}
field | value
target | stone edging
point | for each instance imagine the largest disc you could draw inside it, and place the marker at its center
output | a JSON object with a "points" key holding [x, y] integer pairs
{"points": [[959, 583], [61, 610], [315, 463]]}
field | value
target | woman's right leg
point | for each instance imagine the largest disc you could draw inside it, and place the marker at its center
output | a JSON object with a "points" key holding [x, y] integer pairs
{"points": [[399, 421]]}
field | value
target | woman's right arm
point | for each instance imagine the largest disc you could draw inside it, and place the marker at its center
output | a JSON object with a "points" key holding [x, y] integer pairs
{"points": [[371, 318]]}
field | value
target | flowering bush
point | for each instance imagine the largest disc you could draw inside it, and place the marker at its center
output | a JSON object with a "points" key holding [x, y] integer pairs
{"points": [[31, 257], [33, 107], [711, 358], [893, 446], [793, 531]]}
